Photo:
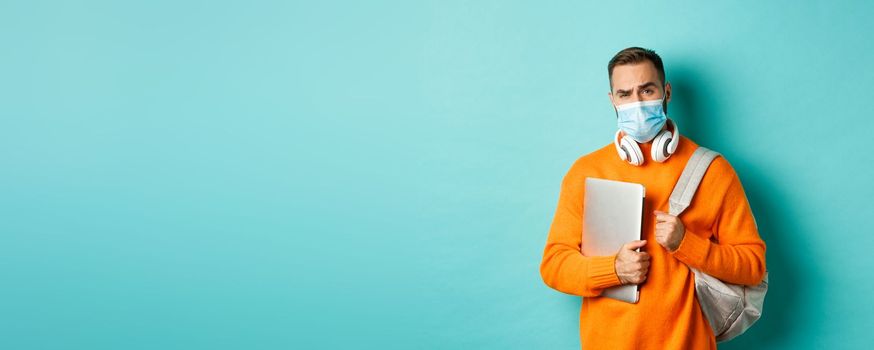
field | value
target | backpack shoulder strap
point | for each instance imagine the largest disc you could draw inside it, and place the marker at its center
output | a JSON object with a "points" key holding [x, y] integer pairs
{"points": [[691, 177]]}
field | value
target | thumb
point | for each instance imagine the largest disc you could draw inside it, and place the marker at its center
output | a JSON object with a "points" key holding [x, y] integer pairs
{"points": [[634, 244]]}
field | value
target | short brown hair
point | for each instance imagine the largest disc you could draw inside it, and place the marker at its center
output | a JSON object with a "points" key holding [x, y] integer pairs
{"points": [[633, 55]]}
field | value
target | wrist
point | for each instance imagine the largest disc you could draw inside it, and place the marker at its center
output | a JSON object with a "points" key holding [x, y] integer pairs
{"points": [[602, 272], [677, 242]]}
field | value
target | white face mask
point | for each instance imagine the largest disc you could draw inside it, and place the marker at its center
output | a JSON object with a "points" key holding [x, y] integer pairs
{"points": [[641, 120]]}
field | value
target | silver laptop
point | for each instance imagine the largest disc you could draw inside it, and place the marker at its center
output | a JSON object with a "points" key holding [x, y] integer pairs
{"points": [[612, 217]]}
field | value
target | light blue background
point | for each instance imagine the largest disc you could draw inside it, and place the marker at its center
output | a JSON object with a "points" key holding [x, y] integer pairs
{"points": [[263, 175]]}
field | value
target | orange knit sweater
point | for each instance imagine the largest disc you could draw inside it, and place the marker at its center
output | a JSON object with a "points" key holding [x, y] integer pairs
{"points": [[667, 315]]}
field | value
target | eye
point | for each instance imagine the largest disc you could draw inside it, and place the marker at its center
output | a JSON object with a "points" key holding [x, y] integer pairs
{"points": [[648, 91]]}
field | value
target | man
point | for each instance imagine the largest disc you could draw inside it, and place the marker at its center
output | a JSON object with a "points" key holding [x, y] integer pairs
{"points": [[717, 233]]}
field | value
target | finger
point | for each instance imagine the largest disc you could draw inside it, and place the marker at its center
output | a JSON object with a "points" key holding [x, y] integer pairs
{"points": [[666, 227], [642, 255], [662, 216], [634, 245], [666, 220]]}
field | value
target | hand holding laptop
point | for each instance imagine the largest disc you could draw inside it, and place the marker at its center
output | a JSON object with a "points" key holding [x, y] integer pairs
{"points": [[631, 265]]}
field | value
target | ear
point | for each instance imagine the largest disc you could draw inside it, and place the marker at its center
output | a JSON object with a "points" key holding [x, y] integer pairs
{"points": [[668, 92], [610, 95]]}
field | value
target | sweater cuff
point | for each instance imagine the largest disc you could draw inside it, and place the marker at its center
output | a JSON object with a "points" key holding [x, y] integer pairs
{"points": [[693, 249], [602, 272]]}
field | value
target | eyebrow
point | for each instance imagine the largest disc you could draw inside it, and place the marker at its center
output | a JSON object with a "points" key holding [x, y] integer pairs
{"points": [[639, 87], [646, 85]]}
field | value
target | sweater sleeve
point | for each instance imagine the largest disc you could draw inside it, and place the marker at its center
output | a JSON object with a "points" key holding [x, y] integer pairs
{"points": [[564, 267], [738, 256]]}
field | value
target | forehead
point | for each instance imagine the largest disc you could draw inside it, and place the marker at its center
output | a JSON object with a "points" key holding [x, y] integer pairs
{"points": [[628, 76]]}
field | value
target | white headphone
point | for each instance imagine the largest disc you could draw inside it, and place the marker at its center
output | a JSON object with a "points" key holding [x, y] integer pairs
{"points": [[663, 146]]}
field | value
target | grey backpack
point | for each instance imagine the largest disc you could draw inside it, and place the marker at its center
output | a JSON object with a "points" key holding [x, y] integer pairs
{"points": [[730, 308]]}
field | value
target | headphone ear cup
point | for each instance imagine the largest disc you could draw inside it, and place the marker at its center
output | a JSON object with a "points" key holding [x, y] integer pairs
{"points": [[632, 150], [621, 152], [675, 138], [659, 151]]}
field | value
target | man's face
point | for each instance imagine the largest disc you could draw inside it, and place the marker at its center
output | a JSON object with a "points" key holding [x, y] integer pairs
{"points": [[638, 82]]}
